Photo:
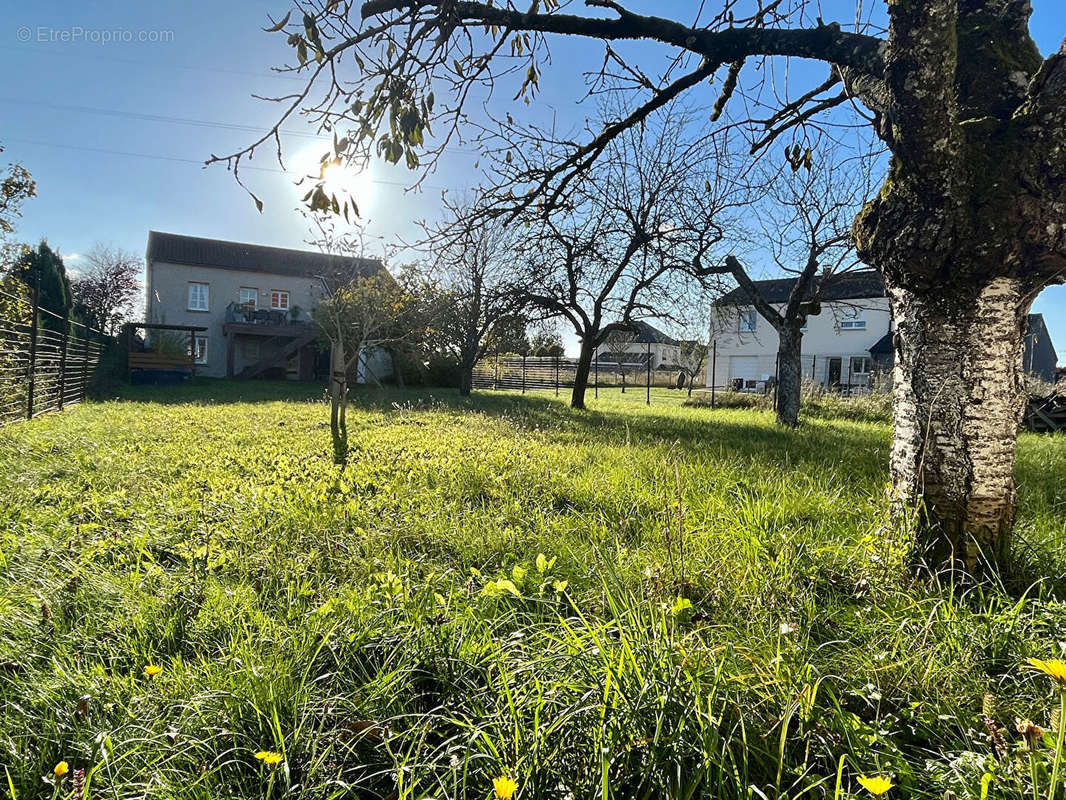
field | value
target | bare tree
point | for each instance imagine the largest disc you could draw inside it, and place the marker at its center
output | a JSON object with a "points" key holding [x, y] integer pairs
{"points": [[363, 309], [693, 330], [649, 212], [966, 230], [806, 229], [106, 291], [474, 257], [617, 345]]}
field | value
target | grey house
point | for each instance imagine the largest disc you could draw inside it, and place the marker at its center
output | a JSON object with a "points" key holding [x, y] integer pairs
{"points": [[254, 301]]}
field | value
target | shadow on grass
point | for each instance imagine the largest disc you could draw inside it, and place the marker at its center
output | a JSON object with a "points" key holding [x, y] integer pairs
{"points": [[856, 452]]}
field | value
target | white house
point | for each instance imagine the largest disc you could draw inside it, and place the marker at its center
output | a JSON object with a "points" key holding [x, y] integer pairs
{"points": [[635, 349], [844, 345], [254, 301]]}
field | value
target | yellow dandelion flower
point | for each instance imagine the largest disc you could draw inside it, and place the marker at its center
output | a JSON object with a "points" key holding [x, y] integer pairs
{"points": [[505, 787], [269, 757], [876, 785], [61, 769], [152, 670], [1053, 668]]}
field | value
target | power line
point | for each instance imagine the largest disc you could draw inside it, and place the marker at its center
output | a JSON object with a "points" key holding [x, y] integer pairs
{"points": [[234, 126], [60, 52], [181, 160]]}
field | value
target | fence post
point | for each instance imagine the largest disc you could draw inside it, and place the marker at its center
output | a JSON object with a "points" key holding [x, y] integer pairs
{"points": [[63, 363], [496, 372], [777, 376], [596, 367], [556, 375], [523, 373], [31, 378], [85, 364], [647, 402], [814, 361], [714, 368]]}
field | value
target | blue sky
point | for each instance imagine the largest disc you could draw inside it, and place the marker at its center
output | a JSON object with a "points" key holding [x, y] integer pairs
{"points": [[114, 133]]}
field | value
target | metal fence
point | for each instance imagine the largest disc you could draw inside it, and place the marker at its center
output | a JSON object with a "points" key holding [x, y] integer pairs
{"points": [[556, 373], [46, 361], [844, 375]]}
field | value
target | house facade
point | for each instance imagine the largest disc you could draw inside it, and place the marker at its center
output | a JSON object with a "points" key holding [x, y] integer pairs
{"points": [[254, 301], [845, 345], [635, 349]]}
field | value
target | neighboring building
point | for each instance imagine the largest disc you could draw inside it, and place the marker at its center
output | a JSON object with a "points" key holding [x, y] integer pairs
{"points": [[844, 345], [1040, 359], [255, 302], [646, 339]]}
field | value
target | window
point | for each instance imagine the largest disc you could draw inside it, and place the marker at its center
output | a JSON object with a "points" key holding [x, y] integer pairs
{"points": [[199, 294], [250, 349], [748, 321], [279, 301], [249, 297], [199, 352], [860, 365], [853, 320]]}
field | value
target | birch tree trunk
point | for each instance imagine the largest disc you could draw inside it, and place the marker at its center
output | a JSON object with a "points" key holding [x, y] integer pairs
{"points": [[958, 401]]}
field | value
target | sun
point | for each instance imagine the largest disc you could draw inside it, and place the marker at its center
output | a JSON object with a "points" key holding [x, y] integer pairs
{"points": [[343, 180]]}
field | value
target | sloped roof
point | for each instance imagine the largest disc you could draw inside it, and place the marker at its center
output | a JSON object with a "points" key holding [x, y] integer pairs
{"points": [[176, 248], [646, 333], [861, 284], [1037, 326], [882, 345]]}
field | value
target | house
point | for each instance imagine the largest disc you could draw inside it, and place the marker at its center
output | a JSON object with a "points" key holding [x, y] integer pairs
{"points": [[846, 343], [636, 347], [1040, 359], [254, 302]]}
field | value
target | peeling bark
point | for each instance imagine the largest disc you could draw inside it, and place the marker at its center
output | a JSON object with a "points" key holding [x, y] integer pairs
{"points": [[958, 401]]}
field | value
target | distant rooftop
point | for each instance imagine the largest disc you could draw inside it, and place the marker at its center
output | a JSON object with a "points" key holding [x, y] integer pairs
{"points": [[646, 333], [862, 284], [176, 248]]}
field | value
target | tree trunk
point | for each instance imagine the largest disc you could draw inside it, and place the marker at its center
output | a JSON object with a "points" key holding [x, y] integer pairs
{"points": [[958, 402], [789, 377], [581, 376], [338, 404], [466, 379]]}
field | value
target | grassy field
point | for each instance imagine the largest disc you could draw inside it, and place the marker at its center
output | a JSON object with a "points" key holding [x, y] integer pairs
{"points": [[626, 602]]}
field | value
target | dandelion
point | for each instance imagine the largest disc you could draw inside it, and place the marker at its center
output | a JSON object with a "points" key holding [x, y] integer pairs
{"points": [[505, 787], [1056, 670], [1053, 668], [876, 785], [269, 757], [152, 670], [61, 769]]}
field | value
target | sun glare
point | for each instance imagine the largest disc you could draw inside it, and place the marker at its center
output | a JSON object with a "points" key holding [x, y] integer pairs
{"points": [[341, 180]]}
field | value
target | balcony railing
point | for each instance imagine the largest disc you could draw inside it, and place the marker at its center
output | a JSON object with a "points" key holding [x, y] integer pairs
{"points": [[236, 312]]}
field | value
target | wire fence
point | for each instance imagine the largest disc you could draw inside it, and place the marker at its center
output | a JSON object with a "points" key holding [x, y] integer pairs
{"points": [[843, 375], [558, 373], [46, 362]]}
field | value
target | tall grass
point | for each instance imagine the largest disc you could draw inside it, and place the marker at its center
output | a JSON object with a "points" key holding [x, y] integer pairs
{"points": [[659, 602]]}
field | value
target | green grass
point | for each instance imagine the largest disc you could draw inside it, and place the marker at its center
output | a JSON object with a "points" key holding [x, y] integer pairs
{"points": [[630, 601]]}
